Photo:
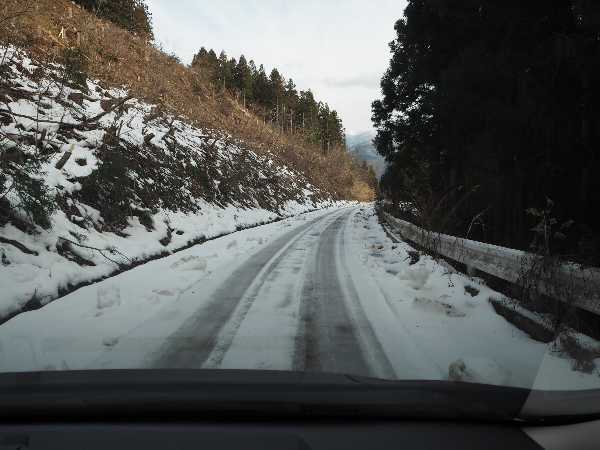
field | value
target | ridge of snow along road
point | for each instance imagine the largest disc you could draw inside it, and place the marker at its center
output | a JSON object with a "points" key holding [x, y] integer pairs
{"points": [[434, 322], [183, 184], [569, 282]]}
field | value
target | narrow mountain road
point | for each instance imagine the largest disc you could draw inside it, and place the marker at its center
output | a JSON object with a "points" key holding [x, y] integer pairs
{"points": [[326, 291], [292, 305]]}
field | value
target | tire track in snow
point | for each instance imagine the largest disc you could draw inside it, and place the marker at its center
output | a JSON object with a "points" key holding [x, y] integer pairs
{"points": [[207, 335], [404, 350], [376, 357], [334, 334], [261, 333]]}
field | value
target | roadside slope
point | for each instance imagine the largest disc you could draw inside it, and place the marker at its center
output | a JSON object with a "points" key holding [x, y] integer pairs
{"points": [[61, 31], [96, 181]]}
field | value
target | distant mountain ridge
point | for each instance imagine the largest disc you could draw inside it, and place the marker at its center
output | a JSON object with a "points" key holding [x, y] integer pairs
{"points": [[361, 145]]}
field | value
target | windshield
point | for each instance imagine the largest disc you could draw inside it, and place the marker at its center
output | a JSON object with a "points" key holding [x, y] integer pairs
{"points": [[402, 191]]}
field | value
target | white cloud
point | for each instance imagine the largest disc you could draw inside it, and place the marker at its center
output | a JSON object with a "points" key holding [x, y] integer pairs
{"points": [[338, 48]]}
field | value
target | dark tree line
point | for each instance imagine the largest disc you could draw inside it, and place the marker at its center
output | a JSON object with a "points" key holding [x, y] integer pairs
{"points": [[132, 15], [273, 97], [489, 108]]}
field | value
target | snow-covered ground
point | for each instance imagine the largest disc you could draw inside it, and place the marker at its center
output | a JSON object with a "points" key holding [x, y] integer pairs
{"points": [[324, 291], [190, 184], [119, 321], [44, 275], [432, 327]]}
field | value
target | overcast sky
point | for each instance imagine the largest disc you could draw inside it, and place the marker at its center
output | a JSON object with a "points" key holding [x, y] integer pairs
{"points": [[337, 48]]}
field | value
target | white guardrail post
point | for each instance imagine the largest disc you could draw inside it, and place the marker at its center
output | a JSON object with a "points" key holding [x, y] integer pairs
{"points": [[568, 282]]}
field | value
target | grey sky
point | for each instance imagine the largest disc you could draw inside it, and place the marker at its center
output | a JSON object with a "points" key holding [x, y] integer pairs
{"points": [[338, 48]]}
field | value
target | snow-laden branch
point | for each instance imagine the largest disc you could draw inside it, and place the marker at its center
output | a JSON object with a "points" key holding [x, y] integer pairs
{"points": [[79, 125], [102, 251]]}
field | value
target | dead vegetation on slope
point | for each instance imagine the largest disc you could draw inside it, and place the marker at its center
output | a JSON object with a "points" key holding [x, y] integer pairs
{"points": [[51, 30]]}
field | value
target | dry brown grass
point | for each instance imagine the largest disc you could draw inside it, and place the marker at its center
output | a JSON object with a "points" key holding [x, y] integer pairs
{"points": [[118, 58], [361, 191]]}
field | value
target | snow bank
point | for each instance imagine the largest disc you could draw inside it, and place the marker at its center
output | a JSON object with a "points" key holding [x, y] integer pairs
{"points": [[118, 322], [568, 282], [435, 323]]}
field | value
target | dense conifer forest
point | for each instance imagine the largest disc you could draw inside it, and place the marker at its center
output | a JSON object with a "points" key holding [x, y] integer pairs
{"points": [[273, 98], [490, 119]]}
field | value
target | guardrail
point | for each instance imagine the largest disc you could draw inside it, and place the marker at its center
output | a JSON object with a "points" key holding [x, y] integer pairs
{"points": [[567, 282]]}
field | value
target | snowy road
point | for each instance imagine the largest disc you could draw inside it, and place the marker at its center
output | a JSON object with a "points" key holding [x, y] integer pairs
{"points": [[287, 307], [326, 291]]}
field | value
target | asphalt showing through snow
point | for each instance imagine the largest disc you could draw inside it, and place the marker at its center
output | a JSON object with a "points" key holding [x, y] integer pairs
{"points": [[334, 335], [302, 272]]}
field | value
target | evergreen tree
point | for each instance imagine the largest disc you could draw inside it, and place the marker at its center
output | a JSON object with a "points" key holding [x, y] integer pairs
{"points": [[225, 71], [206, 63], [276, 91], [199, 57], [307, 109], [242, 79], [262, 87], [253, 69], [132, 15], [291, 95], [276, 84]]}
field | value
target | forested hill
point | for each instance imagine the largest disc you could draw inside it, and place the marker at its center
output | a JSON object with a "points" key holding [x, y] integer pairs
{"points": [[112, 41], [273, 98], [361, 146], [490, 118]]}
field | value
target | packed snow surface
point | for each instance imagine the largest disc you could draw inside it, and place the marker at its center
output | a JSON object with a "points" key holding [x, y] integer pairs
{"points": [[323, 291]]}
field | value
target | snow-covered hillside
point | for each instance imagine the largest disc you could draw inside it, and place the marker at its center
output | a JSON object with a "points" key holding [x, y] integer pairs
{"points": [[128, 182]]}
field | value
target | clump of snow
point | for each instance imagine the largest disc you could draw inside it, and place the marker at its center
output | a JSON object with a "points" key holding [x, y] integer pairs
{"points": [[108, 297], [437, 307], [479, 370], [110, 341], [190, 262], [415, 276]]}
